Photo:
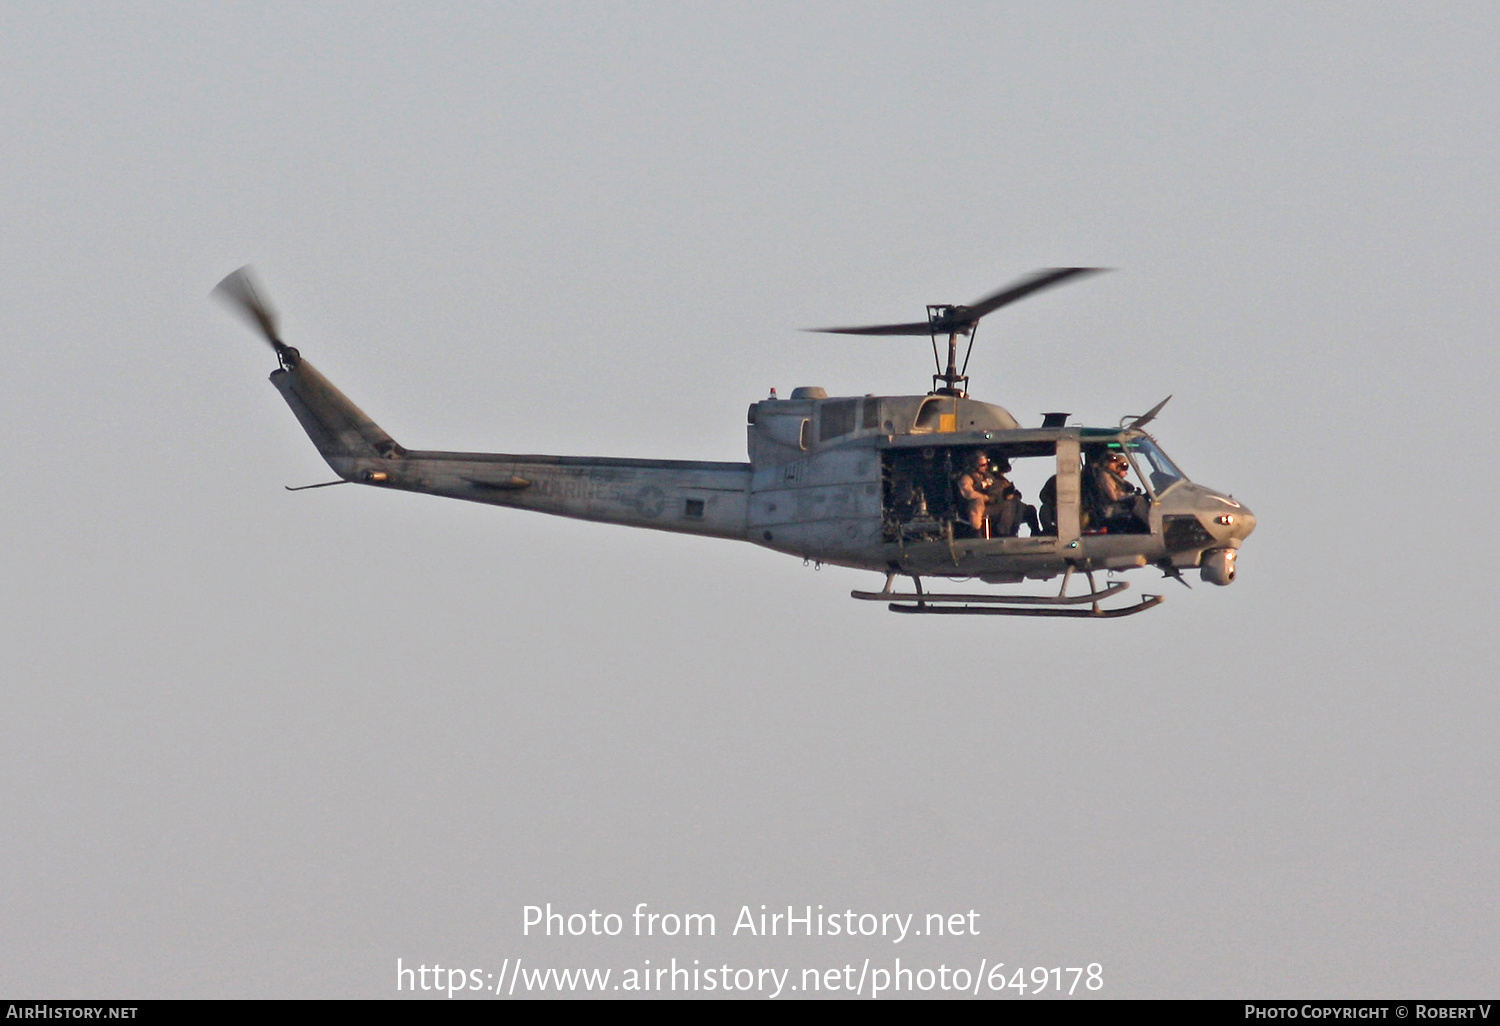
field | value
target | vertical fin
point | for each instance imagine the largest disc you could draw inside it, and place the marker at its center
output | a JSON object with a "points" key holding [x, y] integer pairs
{"points": [[338, 428]]}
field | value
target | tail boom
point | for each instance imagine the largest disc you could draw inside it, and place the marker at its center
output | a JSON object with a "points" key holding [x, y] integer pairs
{"points": [[689, 497], [686, 496]]}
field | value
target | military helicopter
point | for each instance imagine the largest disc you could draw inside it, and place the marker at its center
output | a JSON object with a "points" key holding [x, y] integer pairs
{"points": [[869, 482]]}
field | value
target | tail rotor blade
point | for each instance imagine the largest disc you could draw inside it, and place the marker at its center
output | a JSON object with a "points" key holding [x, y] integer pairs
{"points": [[239, 291]]}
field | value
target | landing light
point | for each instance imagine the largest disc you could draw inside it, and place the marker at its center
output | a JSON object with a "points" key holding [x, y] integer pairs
{"points": [[1227, 519]]}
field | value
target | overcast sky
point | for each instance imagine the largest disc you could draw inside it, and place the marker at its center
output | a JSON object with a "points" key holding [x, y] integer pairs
{"points": [[265, 744]]}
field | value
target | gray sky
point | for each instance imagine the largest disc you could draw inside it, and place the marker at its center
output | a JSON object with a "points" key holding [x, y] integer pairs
{"points": [[263, 744]]}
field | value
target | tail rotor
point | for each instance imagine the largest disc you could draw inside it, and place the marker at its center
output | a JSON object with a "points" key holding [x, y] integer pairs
{"points": [[239, 291]]}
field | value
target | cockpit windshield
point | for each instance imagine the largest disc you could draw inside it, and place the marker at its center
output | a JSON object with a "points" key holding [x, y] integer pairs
{"points": [[1159, 470]]}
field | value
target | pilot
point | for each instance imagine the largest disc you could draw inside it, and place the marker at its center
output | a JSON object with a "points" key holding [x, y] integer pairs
{"points": [[974, 486], [1113, 501], [1006, 512]]}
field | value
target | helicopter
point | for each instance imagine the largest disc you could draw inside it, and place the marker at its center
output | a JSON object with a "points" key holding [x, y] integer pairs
{"points": [[880, 483]]}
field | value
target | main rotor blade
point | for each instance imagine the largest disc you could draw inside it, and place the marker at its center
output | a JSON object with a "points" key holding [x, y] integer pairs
{"points": [[917, 328], [239, 291], [1021, 289], [961, 319]]}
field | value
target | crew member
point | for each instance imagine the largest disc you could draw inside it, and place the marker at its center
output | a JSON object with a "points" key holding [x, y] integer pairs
{"points": [[1115, 503], [1006, 512], [974, 486]]}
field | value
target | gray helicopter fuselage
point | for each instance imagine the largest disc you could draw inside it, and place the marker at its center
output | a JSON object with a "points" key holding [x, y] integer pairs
{"points": [[827, 475], [864, 482]]}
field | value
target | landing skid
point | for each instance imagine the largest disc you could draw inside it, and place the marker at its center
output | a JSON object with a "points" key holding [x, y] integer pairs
{"points": [[1146, 602], [950, 603]]}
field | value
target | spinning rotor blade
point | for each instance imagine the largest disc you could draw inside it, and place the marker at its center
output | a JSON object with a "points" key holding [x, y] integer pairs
{"points": [[1022, 289], [918, 328], [239, 291], [961, 319]]}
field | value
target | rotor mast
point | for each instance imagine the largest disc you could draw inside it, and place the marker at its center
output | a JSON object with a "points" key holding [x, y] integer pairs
{"points": [[952, 378]]}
